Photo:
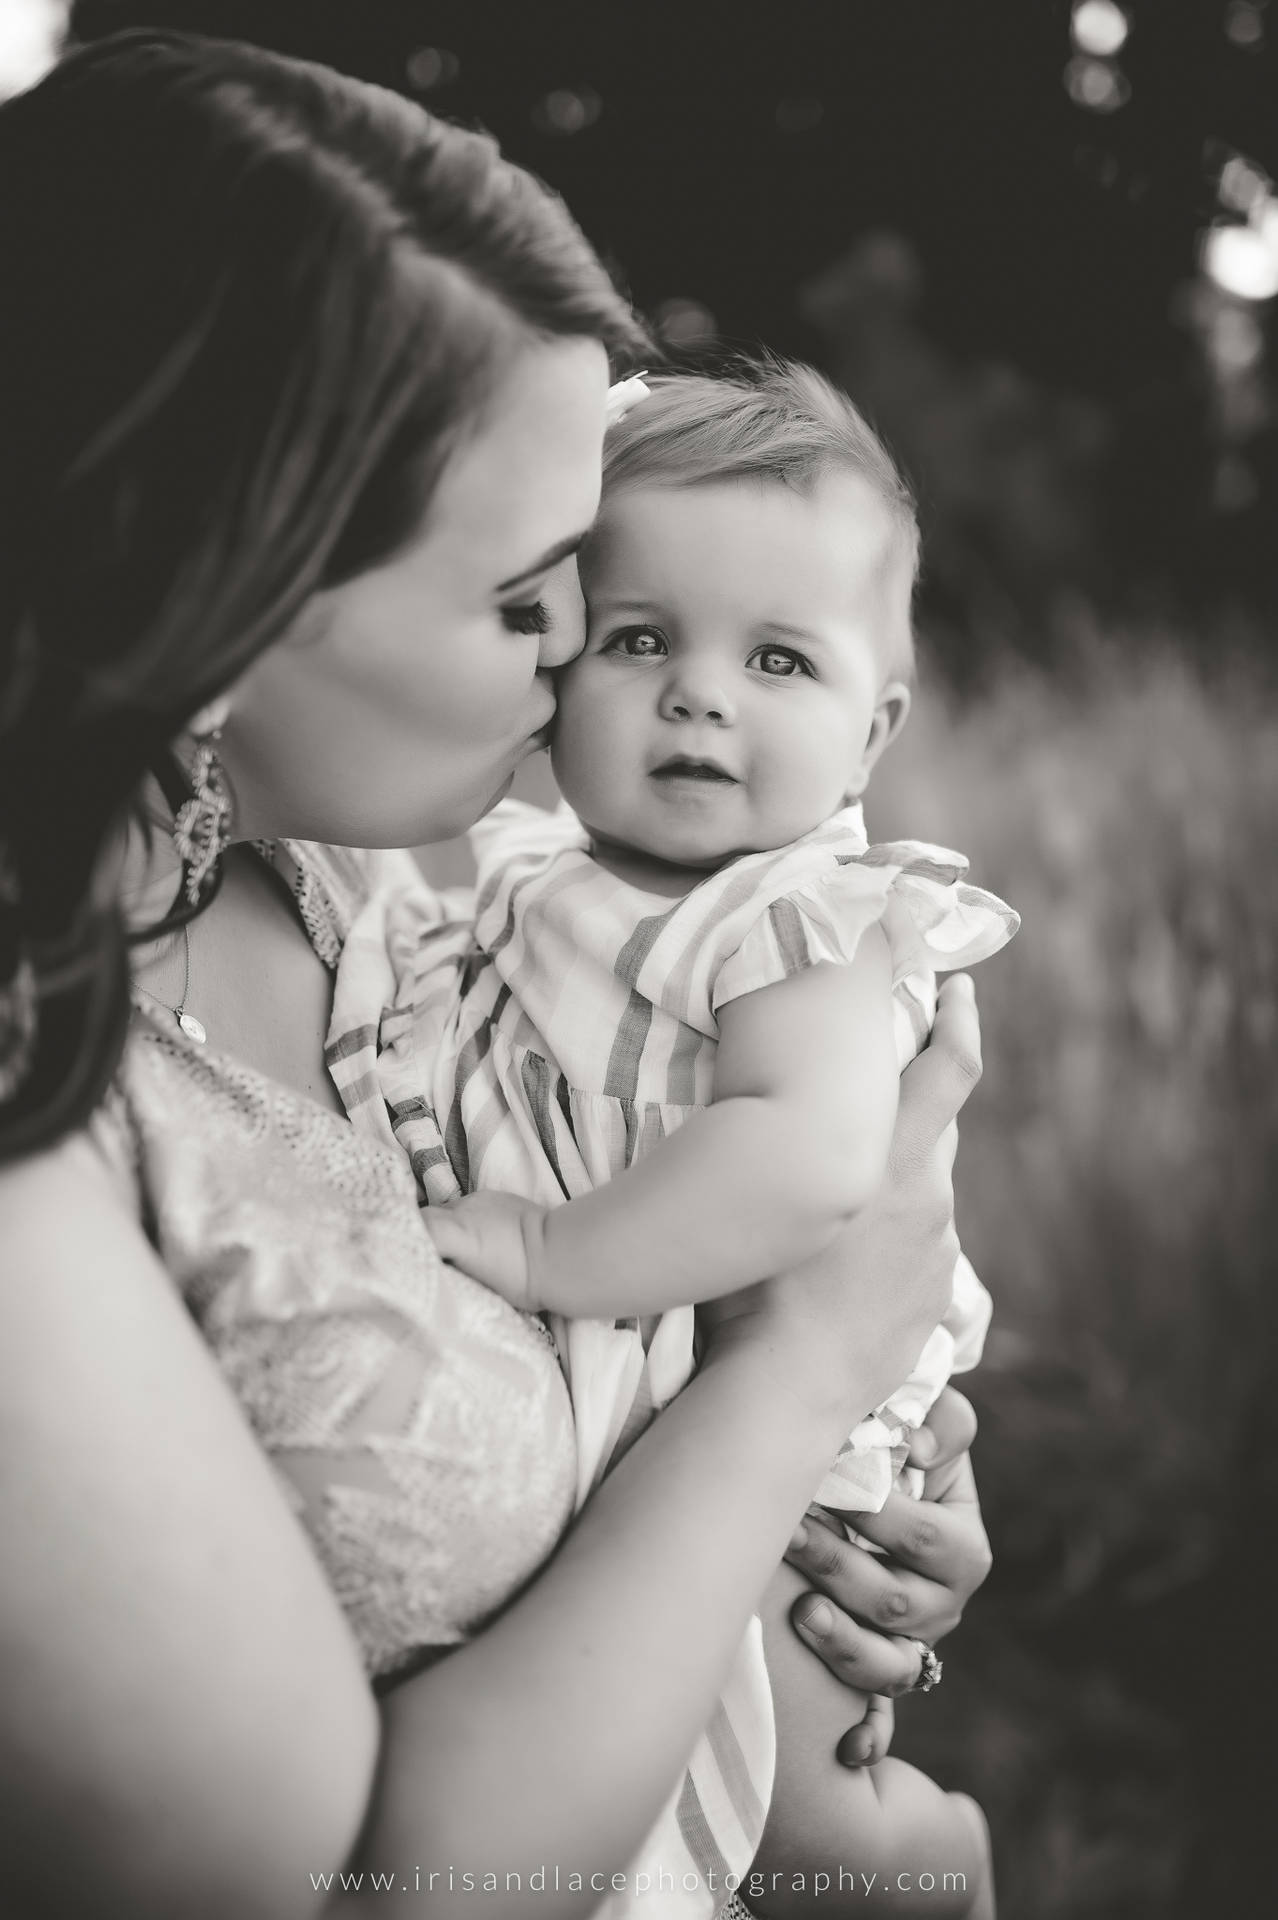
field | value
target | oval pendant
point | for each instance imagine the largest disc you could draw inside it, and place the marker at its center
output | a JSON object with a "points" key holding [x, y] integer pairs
{"points": [[192, 1028]]}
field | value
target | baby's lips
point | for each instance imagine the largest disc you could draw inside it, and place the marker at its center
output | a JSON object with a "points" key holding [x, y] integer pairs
{"points": [[693, 764]]}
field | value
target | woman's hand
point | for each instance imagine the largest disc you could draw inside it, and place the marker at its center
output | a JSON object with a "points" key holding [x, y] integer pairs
{"points": [[936, 1556], [883, 1284]]}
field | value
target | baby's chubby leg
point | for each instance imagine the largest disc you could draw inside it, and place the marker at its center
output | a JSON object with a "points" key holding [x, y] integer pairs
{"points": [[838, 1838]]}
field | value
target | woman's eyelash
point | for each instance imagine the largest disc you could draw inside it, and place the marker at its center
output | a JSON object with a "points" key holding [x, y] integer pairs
{"points": [[533, 618]]}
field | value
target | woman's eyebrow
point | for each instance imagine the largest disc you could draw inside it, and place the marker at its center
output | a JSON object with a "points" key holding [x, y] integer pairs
{"points": [[551, 558]]}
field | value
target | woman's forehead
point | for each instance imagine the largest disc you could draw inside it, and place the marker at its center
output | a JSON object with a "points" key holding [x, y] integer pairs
{"points": [[525, 484]]}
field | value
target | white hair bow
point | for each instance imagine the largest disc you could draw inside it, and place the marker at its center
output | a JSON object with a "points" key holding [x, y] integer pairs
{"points": [[624, 395]]}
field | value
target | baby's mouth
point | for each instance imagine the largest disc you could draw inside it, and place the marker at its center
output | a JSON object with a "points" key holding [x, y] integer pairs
{"points": [[682, 766]]}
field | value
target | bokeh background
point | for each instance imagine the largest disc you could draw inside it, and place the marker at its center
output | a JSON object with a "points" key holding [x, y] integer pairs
{"points": [[1038, 242]]}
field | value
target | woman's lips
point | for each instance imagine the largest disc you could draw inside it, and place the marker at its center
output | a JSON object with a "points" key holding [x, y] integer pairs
{"points": [[540, 735]]}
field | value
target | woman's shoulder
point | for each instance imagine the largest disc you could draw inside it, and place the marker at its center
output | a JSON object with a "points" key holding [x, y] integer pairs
{"points": [[36, 1189], [70, 1227]]}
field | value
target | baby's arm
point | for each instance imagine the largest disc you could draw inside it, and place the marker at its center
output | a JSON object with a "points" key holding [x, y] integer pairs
{"points": [[794, 1143], [887, 1825]]}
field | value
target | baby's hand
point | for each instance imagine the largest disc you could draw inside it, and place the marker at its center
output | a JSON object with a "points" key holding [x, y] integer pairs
{"points": [[496, 1238]]}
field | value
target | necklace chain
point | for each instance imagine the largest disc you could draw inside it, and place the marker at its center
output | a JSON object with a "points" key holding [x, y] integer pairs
{"points": [[193, 1029]]}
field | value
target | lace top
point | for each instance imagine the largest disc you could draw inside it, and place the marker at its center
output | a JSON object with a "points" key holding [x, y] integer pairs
{"points": [[419, 1424]]}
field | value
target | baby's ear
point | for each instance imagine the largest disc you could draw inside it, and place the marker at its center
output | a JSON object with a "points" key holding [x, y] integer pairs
{"points": [[891, 711]]}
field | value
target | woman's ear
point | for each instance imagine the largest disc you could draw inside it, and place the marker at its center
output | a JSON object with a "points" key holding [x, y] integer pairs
{"points": [[891, 712], [210, 719]]}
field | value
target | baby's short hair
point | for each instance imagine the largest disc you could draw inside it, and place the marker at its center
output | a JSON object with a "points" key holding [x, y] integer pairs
{"points": [[764, 418]]}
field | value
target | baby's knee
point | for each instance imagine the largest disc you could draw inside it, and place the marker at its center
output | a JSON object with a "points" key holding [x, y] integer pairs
{"points": [[934, 1853], [874, 1832]]}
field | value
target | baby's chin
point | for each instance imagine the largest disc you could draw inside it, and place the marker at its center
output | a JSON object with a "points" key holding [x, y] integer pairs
{"points": [[694, 852], [680, 836]]}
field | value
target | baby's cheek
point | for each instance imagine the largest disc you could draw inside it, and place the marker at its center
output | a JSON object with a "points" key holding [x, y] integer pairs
{"points": [[580, 750], [803, 789]]}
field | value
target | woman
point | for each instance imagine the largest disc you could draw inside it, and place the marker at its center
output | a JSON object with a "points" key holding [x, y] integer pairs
{"points": [[303, 399]]}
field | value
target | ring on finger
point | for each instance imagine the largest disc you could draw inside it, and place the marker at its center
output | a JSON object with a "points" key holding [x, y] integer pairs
{"points": [[930, 1668]]}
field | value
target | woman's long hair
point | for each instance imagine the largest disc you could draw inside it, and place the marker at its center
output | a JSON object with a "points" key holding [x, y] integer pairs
{"points": [[248, 307]]}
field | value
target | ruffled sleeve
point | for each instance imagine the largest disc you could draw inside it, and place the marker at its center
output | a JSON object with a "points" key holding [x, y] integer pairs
{"points": [[822, 920], [933, 919]]}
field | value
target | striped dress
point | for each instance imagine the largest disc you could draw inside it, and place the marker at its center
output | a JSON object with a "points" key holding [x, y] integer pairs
{"points": [[548, 1042]]}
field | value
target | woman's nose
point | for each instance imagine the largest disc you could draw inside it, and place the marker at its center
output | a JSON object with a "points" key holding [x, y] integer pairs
{"points": [[566, 635], [697, 694]]}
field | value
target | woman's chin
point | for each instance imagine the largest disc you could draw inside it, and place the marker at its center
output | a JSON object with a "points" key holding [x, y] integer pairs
{"points": [[497, 798]]}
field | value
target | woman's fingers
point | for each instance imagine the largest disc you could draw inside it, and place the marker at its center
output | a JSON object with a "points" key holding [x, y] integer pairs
{"points": [[956, 1033], [938, 1551], [949, 1431], [859, 1582], [865, 1745], [936, 1084], [858, 1656], [936, 1555], [882, 1596]]}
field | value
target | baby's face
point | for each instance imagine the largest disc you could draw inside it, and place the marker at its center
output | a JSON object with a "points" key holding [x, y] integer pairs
{"points": [[731, 693]]}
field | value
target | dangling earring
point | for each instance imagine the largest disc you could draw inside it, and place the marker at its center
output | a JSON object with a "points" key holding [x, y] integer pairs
{"points": [[202, 824], [17, 1028], [17, 999]]}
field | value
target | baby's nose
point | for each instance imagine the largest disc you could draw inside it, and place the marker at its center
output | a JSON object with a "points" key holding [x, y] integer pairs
{"points": [[697, 697]]}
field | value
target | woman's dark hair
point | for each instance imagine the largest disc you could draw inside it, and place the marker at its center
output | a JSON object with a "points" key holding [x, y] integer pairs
{"points": [[248, 308]]}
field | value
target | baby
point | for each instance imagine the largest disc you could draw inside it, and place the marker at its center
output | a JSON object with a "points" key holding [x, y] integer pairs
{"points": [[663, 1061]]}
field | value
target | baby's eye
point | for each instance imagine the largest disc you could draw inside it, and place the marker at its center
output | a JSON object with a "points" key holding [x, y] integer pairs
{"points": [[638, 643], [780, 663]]}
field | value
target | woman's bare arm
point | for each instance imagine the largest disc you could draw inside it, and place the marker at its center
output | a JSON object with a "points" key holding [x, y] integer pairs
{"points": [[189, 1732], [186, 1729]]}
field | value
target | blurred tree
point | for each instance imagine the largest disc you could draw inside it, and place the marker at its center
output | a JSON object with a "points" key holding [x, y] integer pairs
{"points": [[1029, 351]]}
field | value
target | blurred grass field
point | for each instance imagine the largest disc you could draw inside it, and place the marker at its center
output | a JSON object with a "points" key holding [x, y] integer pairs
{"points": [[1111, 1697]]}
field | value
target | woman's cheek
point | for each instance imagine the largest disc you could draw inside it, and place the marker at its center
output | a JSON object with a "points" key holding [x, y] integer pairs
{"points": [[563, 600], [477, 702]]}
